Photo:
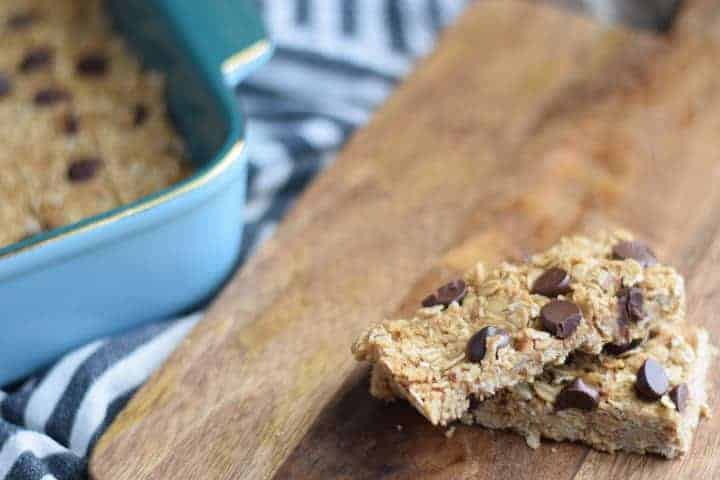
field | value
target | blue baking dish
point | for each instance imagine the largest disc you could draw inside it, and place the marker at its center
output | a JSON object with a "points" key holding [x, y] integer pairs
{"points": [[168, 252]]}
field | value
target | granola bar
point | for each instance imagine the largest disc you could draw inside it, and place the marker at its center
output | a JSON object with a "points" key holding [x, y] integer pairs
{"points": [[492, 330], [16, 217], [68, 186], [645, 400], [84, 125]]}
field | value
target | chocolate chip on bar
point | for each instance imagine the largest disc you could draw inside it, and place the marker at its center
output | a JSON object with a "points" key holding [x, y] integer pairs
{"points": [[577, 395], [140, 114], [454, 291], [630, 303], [560, 318], [5, 85], [37, 59], [620, 348], [50, 96], [679, 395], [553, 282], [652, 381], [635, 250], [477, 346], [93, 64], [83, 169], [70, 124], [22, 20]]}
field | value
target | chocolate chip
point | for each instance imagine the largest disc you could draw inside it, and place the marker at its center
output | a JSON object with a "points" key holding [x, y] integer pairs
{"points": [[620, 348], [560, 318], [569, 359], [635, 303], [92, 64], [652, 381], [635, 250], [552, 282], [36, 59], [70, 124], [5, 85], [50, 96], [630, 306], [477, 345], [577, 395], [83, 169], [679, 395], [140, 114], [21, 20], [454, 291]]}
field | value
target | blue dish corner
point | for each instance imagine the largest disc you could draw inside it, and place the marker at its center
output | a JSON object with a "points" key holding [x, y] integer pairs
{"points": [[168, 252]]}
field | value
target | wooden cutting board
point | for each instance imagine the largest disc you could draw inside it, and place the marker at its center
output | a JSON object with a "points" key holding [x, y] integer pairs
{"points": [[527, 124]]}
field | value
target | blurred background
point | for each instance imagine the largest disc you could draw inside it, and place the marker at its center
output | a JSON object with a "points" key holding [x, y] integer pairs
{"points": [[295, 132]]}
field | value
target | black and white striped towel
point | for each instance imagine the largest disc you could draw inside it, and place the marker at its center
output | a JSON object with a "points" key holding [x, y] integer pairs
{"points": [[336, 61]]}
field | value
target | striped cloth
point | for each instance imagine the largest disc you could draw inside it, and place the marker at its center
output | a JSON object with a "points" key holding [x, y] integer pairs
{"points": [[336, 61]]}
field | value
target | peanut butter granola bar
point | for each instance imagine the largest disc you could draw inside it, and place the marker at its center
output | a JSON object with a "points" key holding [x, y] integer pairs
{"points": [[492, 330], [84, 125], [645, 400]]}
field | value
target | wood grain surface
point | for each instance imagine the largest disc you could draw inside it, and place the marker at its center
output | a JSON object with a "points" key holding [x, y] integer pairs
{"points": [[526, 124]]}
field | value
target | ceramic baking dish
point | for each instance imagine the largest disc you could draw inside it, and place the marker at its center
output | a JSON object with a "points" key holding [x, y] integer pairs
{"points": [[168, 252]]}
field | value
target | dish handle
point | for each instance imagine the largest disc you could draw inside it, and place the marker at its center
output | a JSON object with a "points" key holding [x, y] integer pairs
{"points": [[228, 34]]}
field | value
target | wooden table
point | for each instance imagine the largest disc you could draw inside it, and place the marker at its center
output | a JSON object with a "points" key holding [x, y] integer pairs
{"points": [[525, 125]]}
